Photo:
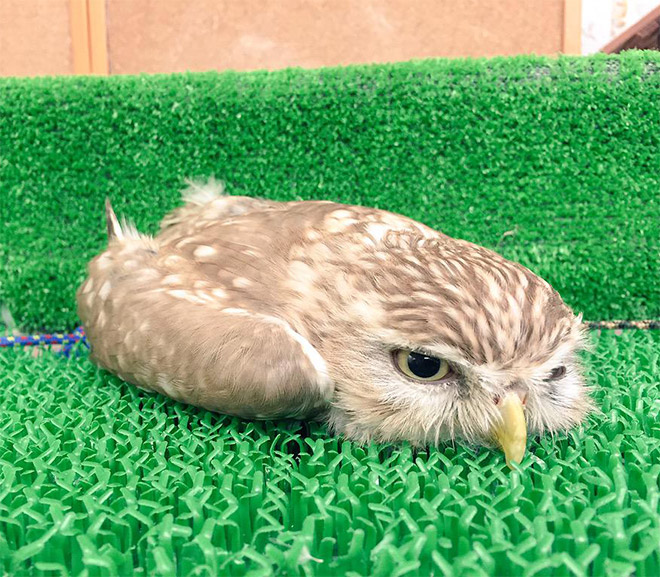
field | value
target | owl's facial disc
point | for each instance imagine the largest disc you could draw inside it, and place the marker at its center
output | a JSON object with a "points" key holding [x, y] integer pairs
{"points": [[510, 429], [509, 432]]}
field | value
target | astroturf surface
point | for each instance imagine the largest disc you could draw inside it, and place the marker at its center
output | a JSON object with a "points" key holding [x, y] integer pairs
{"points": [[102, 477], [554, 163]]}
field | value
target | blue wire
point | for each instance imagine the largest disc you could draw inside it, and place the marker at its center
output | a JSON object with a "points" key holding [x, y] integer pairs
{"points": [[69, 340]]}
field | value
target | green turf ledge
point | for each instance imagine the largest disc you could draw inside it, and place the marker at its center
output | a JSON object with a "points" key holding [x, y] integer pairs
{"points": [[98, 478], [554, 163]]}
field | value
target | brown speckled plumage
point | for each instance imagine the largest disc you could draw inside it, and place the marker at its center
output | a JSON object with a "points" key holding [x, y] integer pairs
{"points": [[264, 309]]}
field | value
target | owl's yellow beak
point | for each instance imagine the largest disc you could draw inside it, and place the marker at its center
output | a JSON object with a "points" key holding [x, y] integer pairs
{"points": [[511, 432]]}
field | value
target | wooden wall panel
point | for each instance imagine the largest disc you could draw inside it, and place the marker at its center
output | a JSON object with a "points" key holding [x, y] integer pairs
{"points": [[572, 38], [35, 37], [178, 35]]}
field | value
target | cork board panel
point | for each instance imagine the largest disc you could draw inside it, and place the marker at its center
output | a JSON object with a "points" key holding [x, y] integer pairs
{"points": [[178, 35], [35, 38]]}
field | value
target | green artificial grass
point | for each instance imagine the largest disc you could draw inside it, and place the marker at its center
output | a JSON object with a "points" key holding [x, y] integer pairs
{"points": [[554, 163], [100, 478]]}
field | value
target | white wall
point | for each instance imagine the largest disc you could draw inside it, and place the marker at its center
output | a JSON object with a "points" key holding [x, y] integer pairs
{"points": [[603, 20]]}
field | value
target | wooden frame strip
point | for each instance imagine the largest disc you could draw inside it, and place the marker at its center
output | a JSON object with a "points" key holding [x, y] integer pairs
{"points": [[645, 28], [79, 36], [572, 36], [98, 44], [89, 36]]}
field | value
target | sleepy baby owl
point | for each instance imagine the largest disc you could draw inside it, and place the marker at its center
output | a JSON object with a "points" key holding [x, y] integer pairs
{"points": [[378, 325]]}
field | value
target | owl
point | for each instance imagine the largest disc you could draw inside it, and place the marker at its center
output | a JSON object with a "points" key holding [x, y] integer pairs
{"points": [[376, 324]]}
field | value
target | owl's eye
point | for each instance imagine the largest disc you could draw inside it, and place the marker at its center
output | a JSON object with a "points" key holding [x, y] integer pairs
{"points": [[421, 367], [557, 373]]}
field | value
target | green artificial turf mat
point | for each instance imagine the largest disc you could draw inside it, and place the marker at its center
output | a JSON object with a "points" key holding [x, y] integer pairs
{"points": [[553, 162], [99, 478]]}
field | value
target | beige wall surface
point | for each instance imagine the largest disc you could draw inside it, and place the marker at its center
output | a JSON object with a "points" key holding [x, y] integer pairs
{"points": [[179, 35], [34, 37]]}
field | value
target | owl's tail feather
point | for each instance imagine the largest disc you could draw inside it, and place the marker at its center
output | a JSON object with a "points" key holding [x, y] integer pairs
{"points": [[117, 230], [114, 228]]}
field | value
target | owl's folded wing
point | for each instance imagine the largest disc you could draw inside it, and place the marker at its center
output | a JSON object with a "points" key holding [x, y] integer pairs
{"points": [[228, 360]]}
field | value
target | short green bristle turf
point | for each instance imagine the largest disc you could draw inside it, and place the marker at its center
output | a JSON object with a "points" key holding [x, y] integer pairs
{"points": [[101, 476], [554, 163]]}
